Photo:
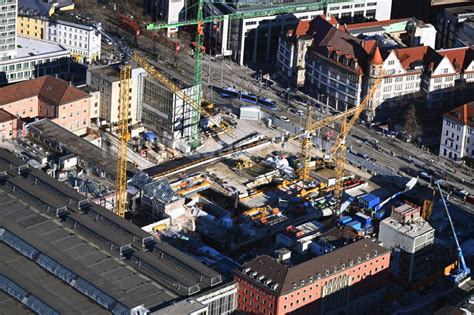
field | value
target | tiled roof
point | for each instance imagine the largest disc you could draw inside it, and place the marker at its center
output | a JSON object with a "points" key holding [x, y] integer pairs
{"points": [[6, 116], [54, 91], [286, 278], [377, 57], [461, 58], [308, 27], [408, 56], [463, 114]]}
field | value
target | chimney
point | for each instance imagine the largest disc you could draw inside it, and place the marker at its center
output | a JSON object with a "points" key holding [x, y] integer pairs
{"points": [[465, 118]]}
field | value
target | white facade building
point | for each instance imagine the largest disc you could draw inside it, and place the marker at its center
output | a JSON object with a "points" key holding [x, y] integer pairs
{"points": [[82, 40], [457, 136], [107, 81], [33, 59], [8, 13], [374, 9]]}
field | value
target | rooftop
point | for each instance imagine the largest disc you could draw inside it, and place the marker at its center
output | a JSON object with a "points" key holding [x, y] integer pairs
{"points": [[467, 10], [28, 47], [374, 24], [283, 279], [183, 307], [49, 233], [411, 230], [49, 89], [64, 141], [34, 7], [6, 116], [463, 114]]}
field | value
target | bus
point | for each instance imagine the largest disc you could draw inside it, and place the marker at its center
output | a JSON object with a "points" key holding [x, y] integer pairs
{"points": [[229, 92], [249, 98], [267, 103]]}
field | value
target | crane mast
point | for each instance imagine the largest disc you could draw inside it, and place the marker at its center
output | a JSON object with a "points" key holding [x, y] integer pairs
{"points": [[124, 136], [194, 139]]}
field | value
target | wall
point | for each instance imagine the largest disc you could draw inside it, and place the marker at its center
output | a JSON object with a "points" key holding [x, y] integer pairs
{"points": [[32, 27], [8, 130], [74, 116]]}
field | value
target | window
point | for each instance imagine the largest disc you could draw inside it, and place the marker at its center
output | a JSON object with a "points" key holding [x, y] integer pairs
{"points": [[391, 62], [371, 4]]}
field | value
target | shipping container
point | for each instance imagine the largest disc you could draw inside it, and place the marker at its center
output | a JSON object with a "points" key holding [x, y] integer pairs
{"points": [[369, 201], [355, 225], [344, 220], [365, 220]]}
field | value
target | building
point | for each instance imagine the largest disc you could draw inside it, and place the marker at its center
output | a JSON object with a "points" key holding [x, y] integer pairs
{"points": [[399, 33], [81, 39], [48, 97], [217, 301], [292, 48], [9, 125], [329, 282], [379, 10], [426, 10], [457, 136], [166, 113], [456, 27], [33, 59], [8, 12], [340, 69], [107, 81], [67, 253], [167, 11], [410, 238]]}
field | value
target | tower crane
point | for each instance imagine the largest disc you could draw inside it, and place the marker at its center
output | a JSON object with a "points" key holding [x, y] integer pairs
{"points": [[123, 132], [462, 272], [200, 21], [338, 151]]}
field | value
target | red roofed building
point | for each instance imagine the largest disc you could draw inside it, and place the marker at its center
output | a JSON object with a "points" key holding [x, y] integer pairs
{"points": [[293, 45], [350, 279], [457, 136], [49, 97]]}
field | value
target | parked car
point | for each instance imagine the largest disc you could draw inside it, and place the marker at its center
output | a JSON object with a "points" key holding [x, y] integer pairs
{"points": [[284, 118]]}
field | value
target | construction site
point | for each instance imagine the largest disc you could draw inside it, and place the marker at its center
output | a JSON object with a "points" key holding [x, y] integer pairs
{"points": [[217, 206]]}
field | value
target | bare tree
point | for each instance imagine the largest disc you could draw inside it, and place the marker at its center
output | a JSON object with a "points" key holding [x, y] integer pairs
{"points": [[410, 121]]}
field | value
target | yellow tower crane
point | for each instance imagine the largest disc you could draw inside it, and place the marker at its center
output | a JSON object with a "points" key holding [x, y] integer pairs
{"points": [[338, 151], [123, 132]]}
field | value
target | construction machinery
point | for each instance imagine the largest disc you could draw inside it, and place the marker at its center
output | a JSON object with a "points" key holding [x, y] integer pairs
{"points": [[123, 132], [199, 39], [123, 135], [461, 272]]}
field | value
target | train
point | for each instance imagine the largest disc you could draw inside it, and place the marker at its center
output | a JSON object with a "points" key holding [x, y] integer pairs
{"points": [[229, 92]]}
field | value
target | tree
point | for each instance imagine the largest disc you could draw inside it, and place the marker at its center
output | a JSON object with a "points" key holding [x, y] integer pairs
{"points": [[410, 121]]}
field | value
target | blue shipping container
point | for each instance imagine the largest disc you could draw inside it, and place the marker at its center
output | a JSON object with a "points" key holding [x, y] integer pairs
{"points": [[369, 201], [355, 225], [363, 219], [344, 220]]}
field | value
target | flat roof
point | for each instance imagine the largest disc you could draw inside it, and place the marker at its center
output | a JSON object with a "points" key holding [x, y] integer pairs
{"points": [[50, 218], [28, 47], [411, 230], [50, 131], [182, 307]]}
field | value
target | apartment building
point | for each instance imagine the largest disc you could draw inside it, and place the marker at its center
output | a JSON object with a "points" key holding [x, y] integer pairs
{"points": [[340, 280], [8, 12], [410, 238], [107, 81], [81, 39], [341, 68], [48, 97], [457, 136], [456, 27], [167, 114], [9, 125]]}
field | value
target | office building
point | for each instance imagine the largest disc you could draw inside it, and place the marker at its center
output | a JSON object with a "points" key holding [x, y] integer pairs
{"points": [[410, 238], [167, 114], [8, 11], [107, 81], [456, 27], [167, 11], [457, 136], [330, 282], [371, 9]]}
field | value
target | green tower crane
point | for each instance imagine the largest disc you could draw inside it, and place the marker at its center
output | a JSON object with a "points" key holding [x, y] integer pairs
{"points": [[201, 20]]}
